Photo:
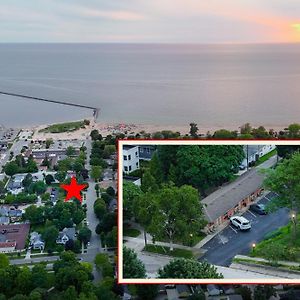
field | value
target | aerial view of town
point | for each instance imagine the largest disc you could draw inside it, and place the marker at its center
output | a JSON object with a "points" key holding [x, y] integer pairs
{"points": [[149, 150]]}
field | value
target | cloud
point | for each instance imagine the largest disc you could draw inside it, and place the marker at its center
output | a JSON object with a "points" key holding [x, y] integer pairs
{"points": [[118, 15]]}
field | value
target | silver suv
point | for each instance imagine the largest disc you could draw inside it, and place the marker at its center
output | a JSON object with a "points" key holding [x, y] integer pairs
{"points": [[240, 222]]}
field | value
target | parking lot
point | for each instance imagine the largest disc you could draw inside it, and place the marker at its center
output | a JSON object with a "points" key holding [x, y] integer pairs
{"points": [[224, 246]]}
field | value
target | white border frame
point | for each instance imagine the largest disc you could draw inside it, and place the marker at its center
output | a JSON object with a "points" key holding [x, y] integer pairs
{"points": [[122, 280]]}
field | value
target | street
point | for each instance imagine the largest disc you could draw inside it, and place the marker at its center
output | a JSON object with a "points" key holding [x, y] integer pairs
{"points": [[95, 241], [224, 246]]}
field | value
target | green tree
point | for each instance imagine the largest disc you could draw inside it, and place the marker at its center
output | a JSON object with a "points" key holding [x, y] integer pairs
{"points": [[193, 130], [110, 191], [50, 235], [95, 135], [70, 151], [285, 181], [11, 168], [60, 176], [34, 214], [245, 292], [27, 181], [100, 208], [49, 142], [146, 291], [103, 265], [293, 131], [131, 193], [96, 172], [263, 292], [176, 212], [132, 266], [109, 150], [84, 235], [38, 187], [246, 128], [260, 133], [49, 179], [148, 182], [4, 261], [224, 134], [188, 268]]}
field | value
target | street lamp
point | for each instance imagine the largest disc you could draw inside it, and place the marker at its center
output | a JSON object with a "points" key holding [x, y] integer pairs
{"points": [[253, 247], [191, 236]]}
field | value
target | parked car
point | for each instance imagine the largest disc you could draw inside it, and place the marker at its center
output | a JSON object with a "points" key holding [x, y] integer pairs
{"points": [[258, 208], [240, 222], [242, 167]]}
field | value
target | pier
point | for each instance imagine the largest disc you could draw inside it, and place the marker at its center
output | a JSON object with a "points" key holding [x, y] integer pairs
{"points": [[94, 109]]}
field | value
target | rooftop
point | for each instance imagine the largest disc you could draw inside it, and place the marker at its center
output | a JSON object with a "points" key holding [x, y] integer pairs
{"points": [[227, 197]]}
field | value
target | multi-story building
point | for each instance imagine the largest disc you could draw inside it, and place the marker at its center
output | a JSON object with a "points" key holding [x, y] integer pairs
{"points": [[130, 158]]}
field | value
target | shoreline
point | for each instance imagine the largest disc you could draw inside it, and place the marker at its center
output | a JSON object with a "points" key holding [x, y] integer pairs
{"points": [[106, 128]]}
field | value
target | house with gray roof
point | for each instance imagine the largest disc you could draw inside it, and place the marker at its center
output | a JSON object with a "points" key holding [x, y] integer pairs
{"points": [[232, 198], [36, 241], [4, 220], [65, 235]]}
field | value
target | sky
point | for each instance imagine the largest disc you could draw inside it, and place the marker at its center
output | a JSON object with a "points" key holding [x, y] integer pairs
{"points": [[150, 21]]}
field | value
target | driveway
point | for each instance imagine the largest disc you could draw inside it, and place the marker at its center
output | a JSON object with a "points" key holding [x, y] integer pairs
{"points": [[224, 246]]}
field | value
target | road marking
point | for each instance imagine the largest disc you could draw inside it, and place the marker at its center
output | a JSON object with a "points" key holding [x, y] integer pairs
{"points": [[233, 229], [220, 237], [252, 213], [268, 198]]}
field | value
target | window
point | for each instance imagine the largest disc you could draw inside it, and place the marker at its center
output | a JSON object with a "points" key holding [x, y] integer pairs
{"points": [[137, 164], [141, 150], [148, 150], [129, 157], [125, 157], [129, 168], [136, 154], [126, 169]]}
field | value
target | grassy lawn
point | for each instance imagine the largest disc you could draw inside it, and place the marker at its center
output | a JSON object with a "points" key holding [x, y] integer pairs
{"points": [[127, 231], [265, 157], [166, 251], [266, 263], [63, 127], [280, 245]]}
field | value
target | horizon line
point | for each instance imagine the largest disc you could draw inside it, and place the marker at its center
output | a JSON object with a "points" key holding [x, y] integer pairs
{"points": [[158, 43]]}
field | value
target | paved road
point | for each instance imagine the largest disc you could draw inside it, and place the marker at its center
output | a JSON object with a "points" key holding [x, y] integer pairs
{"points": [[95, 242], [16, 149], [230, 242]]}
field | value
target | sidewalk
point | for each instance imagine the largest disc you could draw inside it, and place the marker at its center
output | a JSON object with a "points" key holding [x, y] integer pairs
{"points": [[281, 262]]}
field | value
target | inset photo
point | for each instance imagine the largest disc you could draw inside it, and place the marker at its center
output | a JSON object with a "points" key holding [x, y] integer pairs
{"points": [[208, 211]]}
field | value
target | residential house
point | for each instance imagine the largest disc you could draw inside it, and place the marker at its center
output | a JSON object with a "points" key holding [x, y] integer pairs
{"points": [[15, 215], [7, 246], [14, 235], [133, 179], [232, 198], [130, 158], [146, 151], [65, 235], [254, 152], [36, 241], [15, 185], [4, 220]]}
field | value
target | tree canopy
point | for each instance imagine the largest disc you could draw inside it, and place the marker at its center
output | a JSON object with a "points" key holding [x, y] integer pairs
{"points": [[132, 266], [188, 269]]}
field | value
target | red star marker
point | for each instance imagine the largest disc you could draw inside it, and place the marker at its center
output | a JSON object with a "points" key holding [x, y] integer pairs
{"points": [[73, 189]]}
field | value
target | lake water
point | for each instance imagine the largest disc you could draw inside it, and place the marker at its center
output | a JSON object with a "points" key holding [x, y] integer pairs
{"points": [[212, 85]]}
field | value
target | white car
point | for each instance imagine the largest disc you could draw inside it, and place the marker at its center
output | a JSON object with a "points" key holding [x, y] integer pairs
{"points": [[240, 222]]}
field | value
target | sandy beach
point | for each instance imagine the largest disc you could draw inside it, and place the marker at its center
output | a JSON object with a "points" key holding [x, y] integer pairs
{"points": [[130, 129]]}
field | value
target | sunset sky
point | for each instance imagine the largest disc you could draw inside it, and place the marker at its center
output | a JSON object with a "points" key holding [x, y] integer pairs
{"points": [[169, 21]]}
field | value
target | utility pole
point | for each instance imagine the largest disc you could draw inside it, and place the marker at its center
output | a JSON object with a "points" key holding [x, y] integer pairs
{"points": [[247, 157]]}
